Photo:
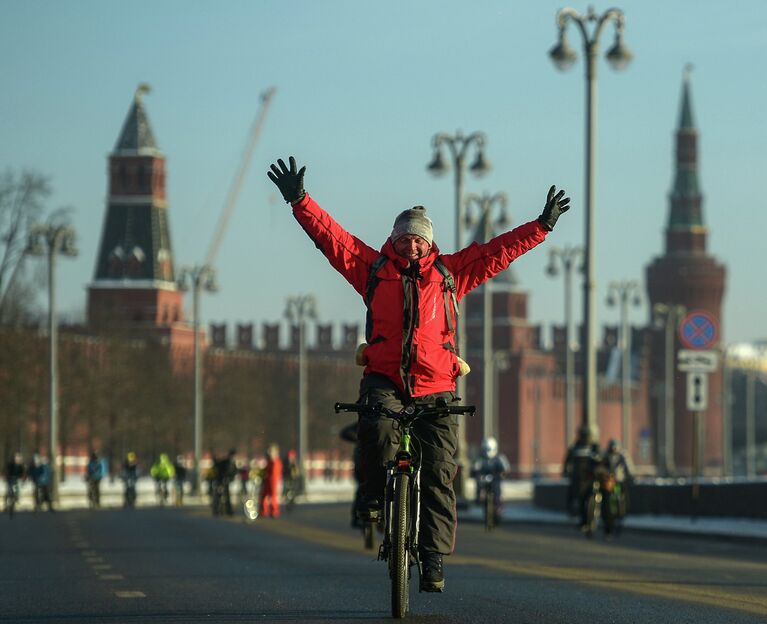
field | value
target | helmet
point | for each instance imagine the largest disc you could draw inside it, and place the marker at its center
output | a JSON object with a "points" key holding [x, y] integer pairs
{"points": [[613, 446], [490, 447], [131, 456]]}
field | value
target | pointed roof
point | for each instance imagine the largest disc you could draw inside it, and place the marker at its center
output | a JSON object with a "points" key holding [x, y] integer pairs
{"points": [[686, 121], [136, 137], [686, 192]]}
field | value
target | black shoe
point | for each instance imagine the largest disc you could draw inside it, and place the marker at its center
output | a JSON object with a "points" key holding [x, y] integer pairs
{"points": [[369, 510], [432, 577]]}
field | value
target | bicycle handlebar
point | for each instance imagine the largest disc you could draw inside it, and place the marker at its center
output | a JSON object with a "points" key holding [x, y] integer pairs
{"points": [[428, 409]]}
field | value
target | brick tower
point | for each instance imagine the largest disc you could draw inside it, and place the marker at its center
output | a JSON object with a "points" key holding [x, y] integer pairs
{"points": [[687, 275], [134, 287]]}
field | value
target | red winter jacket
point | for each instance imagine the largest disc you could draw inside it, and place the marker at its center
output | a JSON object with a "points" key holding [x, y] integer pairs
{"points": [[417, 355]]}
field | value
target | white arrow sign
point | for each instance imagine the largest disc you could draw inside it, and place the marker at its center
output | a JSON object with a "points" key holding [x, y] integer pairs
{"points": [[697, 391], [694, 361]]}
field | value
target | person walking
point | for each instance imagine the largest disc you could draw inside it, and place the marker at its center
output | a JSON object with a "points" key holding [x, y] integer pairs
{"points": [[269, 501]]}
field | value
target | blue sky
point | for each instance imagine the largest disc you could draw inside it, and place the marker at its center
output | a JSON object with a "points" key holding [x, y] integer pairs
{"points": [[361, 89]]}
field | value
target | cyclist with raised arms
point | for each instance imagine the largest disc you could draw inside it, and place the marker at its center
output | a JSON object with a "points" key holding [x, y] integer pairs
{"points": [[411, 291]]}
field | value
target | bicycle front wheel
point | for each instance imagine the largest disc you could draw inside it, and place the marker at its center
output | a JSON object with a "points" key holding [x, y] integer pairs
{"points": [[399, 556]]}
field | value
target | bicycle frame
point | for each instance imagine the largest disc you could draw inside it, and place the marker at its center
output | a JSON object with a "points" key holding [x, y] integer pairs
{"points": [[402, 509], [404, 462]]}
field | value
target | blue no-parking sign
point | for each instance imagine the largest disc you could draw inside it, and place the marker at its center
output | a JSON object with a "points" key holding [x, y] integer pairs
{"points": [[699, 330]]}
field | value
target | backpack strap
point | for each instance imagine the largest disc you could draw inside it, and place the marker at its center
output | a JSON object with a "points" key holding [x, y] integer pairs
{"points": [[369, 291], [449, 286], [372, 282]]}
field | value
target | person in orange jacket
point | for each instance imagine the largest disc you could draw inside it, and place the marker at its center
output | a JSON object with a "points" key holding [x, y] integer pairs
{"points": [[271, 484]]}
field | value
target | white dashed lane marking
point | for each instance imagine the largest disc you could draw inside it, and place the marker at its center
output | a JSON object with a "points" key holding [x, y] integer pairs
{"points": [[130, 594]]}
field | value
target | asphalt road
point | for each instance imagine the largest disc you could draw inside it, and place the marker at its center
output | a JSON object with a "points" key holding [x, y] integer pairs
{"points": [[181, 565]]}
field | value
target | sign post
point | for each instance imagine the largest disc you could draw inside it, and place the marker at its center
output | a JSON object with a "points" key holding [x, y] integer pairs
{"points": [[699, 332]]}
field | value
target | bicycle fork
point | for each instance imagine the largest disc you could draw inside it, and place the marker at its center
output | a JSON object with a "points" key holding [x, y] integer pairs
{"points": [[402, 464]]}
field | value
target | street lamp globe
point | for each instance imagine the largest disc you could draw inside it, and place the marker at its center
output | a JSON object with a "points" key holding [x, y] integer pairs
{"points": [[437, 166], [619, 56], [562, 54], [480, 166]]}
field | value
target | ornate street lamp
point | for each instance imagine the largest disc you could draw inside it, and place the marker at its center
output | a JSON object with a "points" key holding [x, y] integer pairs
{"points": [[668, 317], [567, 256], [199, 278], [458, 146], [51, 239], [563, 57], [479, 212], [625, 293]]}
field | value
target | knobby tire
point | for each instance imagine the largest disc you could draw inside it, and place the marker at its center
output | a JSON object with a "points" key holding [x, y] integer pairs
{"points": [[399, 558]]}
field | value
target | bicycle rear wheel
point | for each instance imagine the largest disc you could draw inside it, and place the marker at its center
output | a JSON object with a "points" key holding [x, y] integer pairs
{"points": [[399, 556], [592, 514], [489, 510]]}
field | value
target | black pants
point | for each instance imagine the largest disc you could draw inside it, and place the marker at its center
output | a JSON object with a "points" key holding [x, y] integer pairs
{"points": [[436, 442]]}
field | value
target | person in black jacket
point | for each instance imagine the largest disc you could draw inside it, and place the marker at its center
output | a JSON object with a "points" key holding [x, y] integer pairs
{"points": [[580, 467], [349, 434]]}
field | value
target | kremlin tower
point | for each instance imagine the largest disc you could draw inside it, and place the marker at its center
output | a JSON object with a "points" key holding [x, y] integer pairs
{"points": [[687, 279]]}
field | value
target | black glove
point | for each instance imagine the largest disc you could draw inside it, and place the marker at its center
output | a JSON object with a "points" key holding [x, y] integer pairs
{"points": [[290, 182], [555, 206]]}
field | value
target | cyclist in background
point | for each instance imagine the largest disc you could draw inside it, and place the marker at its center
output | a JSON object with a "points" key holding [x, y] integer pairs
{"points": [[129, 476], [617, 463], [224, 472], [94, 472], [493, 465], [162, 471], [179, 468], [40, 473], [410, 355], [15, 473], [292, 477], [580, 468]]}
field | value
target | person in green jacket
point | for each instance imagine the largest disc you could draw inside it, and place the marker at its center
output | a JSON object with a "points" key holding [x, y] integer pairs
{"points": [[162, 471]]}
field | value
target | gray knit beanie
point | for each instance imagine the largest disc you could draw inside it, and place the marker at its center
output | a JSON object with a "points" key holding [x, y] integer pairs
{"points": [[413, 221]]}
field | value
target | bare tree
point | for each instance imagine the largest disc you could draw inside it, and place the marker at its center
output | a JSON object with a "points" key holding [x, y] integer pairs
{"points": [[21, 204]]}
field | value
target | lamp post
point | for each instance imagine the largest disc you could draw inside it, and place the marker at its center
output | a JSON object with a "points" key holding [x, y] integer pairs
{"points": [[200, 278], [458, 146], [668, 316], [479, 212], [623, 293], [727, 400], [298, 310], [567, 256], [52, 238], [564, 56]]}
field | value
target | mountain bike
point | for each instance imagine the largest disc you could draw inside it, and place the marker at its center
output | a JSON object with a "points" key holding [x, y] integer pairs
{"points": [[593, 508], [129, 495], [402, 495], [94, 493], [613, 503]]}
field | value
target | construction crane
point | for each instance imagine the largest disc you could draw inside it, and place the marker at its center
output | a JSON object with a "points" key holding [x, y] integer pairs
{"points": [[234, 191], [202, 277]]}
